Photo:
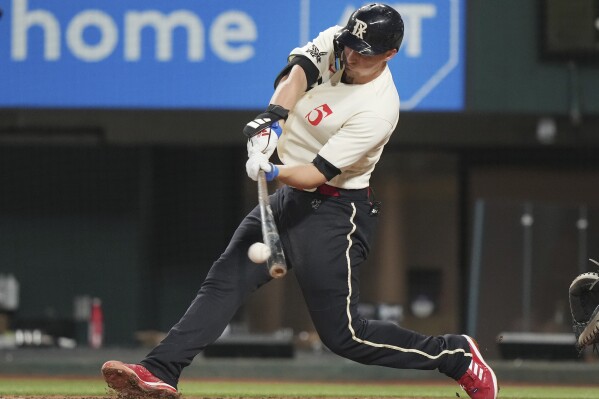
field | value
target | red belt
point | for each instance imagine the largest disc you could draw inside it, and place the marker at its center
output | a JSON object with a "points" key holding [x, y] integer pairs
{"points": [[331, 191]]}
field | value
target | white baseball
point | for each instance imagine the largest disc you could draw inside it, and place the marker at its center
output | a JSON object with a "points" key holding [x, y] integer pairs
{"points": [[258, 252]]}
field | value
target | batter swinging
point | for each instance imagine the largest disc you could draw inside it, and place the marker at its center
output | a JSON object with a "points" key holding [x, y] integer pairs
{"points": [[334, 108]]}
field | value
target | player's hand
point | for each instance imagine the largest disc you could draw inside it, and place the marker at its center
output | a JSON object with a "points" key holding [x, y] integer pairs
{"points": [[258, 162], [265, 141]]}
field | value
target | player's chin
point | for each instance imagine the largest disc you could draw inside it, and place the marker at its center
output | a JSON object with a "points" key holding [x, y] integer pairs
{"points": [[348, 75]]}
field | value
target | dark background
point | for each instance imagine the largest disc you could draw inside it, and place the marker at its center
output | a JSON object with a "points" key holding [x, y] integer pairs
{"points": [[133, 206]]}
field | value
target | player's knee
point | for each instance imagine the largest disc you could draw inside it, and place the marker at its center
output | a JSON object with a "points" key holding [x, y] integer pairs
{"points": [[339, 348], [337, 335], [340, 344]]}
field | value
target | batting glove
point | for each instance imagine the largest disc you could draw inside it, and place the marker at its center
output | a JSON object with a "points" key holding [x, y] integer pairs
{"points": [[265, 141], [258, 162]]}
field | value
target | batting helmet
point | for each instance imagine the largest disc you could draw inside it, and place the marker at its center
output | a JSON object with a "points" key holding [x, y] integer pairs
{"points": [[372, 29]]}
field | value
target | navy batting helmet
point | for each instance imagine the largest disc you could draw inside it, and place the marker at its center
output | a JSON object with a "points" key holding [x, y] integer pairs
{"points": [[372, 29]]}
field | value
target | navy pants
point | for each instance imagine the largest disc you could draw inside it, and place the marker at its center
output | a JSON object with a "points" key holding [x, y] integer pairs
{"points": [[325, 238]]}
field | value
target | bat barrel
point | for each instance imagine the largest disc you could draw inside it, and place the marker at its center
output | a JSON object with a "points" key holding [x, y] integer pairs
{"points": [[277, 270], [277, 266]]}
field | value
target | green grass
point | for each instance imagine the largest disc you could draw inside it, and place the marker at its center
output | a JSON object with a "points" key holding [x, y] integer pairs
{"points": [[224, 389]]}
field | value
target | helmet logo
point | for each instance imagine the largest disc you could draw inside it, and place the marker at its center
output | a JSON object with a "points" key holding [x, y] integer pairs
{"points": [[359, 29]]}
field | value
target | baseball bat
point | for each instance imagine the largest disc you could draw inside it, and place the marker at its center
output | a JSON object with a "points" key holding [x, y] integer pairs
{"points": [[277, 267]]}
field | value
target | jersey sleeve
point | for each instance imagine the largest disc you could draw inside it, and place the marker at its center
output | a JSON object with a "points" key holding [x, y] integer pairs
{"points": [[320, 51], [359, 136]]}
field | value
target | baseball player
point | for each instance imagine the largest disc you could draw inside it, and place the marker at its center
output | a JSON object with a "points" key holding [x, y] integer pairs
{"points": [[334, 108]]}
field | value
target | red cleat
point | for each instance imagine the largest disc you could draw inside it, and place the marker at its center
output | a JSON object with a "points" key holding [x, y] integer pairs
{"points": [[135, 381], [479, 381]]}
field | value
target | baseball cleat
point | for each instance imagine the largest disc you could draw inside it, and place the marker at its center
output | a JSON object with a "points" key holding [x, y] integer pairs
{"points": [[479, 381], [135, 381]]}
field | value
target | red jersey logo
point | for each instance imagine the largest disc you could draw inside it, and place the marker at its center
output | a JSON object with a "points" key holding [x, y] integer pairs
{"points": [[318, 114]]}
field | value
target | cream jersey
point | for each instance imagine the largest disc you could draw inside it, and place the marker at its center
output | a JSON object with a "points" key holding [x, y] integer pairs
{"points": [[346, 124]]}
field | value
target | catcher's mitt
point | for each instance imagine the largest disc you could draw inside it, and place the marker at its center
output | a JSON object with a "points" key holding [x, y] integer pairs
{"points": [[584, 305]]}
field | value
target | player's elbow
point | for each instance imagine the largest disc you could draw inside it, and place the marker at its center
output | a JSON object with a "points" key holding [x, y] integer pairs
{"points": [[306, 184], [303, 177]]}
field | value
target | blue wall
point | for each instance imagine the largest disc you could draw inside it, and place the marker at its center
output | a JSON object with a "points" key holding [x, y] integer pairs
{"points": [[208, 54]]}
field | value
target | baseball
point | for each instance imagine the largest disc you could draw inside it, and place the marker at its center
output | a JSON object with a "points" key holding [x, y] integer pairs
{"points": [[258, 252]]}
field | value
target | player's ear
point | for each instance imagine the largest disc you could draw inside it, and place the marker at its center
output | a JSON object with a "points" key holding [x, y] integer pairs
{"points": [[390, 54]]}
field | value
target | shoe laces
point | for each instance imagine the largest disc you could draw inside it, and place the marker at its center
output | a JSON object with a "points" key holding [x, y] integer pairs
{"points": [[472, 377]]}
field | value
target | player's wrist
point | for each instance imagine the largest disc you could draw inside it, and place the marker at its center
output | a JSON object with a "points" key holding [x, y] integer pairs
{"points": [[272, 114], [273, 173]]}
